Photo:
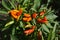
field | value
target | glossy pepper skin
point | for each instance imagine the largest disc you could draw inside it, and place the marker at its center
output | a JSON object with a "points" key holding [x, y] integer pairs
{"points": [[34, 15], [27, 17], [39, 20], [44, 20], [42, 13], [29, 31], [16, 13]]}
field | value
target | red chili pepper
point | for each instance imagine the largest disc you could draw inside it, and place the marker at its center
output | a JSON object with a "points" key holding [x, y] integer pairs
{"points": [[44, 20], [34, 15], [20, 11], [29, 31], [33, 27], [39, 20], [42, 13]]}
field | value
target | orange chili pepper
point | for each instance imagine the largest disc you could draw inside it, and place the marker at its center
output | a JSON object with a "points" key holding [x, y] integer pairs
{"points": [[16, 13], [24, 19], [27, 15], [34, 15], [29, 31], [27, 19], [13, 13]]}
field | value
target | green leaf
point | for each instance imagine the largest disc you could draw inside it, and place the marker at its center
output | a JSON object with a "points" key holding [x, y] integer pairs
{"points": [[49, 25], [36, 5], [42, 38], [51, 16], [13, 31], [9, 23], [45, 28], [13, 37], [4, 12], [5, 5], [49, 36], [53, 32], [34, 9], [13, 1], [12, 5], [42, 7], [49, 11], [5, 28], [20, 1], [54, 29], [34, 22], [48, 1], [17, 0], [56, 38], [21, 24], [25, 1], [53, 36]]}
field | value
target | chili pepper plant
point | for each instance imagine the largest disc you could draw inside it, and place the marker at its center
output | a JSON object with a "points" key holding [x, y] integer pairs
{"points": [[27, 20]]}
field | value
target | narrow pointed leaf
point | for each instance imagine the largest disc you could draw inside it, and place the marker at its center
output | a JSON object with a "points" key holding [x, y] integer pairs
{"points": [[56, 38], [49, 36], [34, 22], [9, 23], [5, 5], [21, 24], [45, 28], [53, 32], [51, 16], [3, 12], [36, 5], [42, 38], [17, 0], [13, 1], [13, 31], [13, 37], [49, 25], [25, 1], [48, 1], [5, 28], [11, 4]]}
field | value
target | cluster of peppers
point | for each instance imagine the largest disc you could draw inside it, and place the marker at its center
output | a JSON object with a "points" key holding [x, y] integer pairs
{"points": [[27, 18]]}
